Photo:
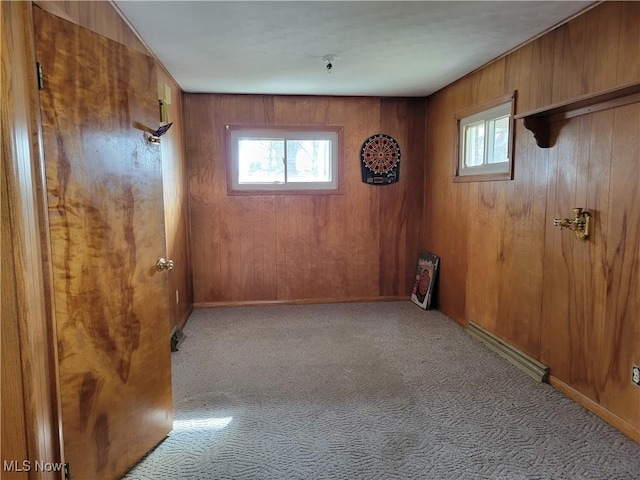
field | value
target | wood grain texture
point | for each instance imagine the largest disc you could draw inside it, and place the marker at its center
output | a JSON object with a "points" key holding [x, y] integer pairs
{"points": [[30, 412], [596, 408], [446, 222], [360, 244], [97, 16], [101, 17], [176, 206], [104, 185], [573, 305], [13, 444], [621, 342]]}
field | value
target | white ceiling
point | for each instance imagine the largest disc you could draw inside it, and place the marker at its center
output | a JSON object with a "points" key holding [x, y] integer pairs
{"points": [[392, 48]]}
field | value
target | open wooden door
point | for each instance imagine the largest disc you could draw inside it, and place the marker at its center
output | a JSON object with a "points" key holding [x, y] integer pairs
{"points": [[104, 190]]}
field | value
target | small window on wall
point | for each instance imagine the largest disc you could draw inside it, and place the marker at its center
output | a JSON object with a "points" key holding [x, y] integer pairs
{"points": [[283, 160], [485, 141]]}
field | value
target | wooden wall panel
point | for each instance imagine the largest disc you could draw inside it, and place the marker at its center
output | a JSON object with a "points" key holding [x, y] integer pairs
{"points": [[356, 245], [30, 406], [571, 304], [621, 344], [97, 16], [176, 205], [629, 45], [571, 58], [597, 197], [397, 203], [606, 51], [447, 241], [13, 442], [541, 73]]}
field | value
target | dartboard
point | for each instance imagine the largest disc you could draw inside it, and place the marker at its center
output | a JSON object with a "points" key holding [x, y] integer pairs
{"points": [[380, 156]]}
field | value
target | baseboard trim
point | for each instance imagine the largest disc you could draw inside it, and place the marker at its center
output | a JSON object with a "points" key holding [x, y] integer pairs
{"points": [[524, 362], [594, 407], [304, 301]]}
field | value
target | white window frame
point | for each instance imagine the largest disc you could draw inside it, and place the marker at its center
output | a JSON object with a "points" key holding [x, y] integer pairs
{"points": [[486, 113], [240, 132]]}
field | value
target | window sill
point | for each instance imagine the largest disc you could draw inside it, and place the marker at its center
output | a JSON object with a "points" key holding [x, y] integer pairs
{"points": [[483, 177], [257, 192]]}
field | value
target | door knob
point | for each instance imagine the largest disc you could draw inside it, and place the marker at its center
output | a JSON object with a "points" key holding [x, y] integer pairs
{"points": [[163, 264]]}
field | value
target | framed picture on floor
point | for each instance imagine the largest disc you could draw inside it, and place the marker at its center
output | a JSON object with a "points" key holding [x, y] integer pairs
{"points": [[425, 279]]}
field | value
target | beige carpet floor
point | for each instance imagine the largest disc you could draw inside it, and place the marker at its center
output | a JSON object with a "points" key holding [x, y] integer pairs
{"points": [[368, 391]]}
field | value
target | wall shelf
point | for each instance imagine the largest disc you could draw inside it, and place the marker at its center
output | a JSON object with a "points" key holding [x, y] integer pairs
{"points": [[537, 121]]}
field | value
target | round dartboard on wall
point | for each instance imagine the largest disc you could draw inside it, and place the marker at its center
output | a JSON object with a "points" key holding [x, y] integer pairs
{"points": [[380, 155]]}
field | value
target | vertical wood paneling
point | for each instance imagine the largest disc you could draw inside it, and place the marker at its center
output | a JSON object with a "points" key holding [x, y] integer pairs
{"points": [[524, 216], [542, 68], [266, 286], [400, 220], [414, 173], [598, 200], [392, 203], [302, 247], [559, 40], [364, 202], [621, 346], [336, 235], [589, 63], [442, 234], [176, 206], [573, 58], [30, 407], [629, 43], [99, 17], [571, 304], [14, 418], [606, 51]]}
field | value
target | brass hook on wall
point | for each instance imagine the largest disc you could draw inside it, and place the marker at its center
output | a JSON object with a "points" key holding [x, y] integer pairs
{"points": [[579, 224]]}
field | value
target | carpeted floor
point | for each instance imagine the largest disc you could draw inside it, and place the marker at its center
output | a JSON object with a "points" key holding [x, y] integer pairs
{"points": [[367, 391]]}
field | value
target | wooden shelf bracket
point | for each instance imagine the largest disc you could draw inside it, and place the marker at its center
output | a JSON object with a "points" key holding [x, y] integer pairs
{"points": [[538, 121]]}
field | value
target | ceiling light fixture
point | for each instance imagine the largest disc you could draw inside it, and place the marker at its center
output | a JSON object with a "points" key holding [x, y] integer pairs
{"points": [[329, 59]]}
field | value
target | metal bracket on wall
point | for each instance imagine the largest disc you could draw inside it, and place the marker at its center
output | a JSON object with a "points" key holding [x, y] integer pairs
{"points": [[579, 224], [40, 76]]}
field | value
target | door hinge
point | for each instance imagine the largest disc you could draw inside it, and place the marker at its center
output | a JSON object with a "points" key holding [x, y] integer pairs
{"points": [[67, 474], [40, 76]]}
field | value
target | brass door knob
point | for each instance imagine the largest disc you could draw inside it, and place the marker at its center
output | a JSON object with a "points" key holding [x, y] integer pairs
{"points": [[163, 264]]}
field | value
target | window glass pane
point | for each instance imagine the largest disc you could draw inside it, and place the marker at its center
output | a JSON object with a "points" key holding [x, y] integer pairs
{"points": [[485, 139], [272, 159], [260, 160], [500, 150], [308, 160], [474, 144]]}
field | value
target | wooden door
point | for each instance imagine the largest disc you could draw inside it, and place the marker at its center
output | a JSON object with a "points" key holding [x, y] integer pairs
{"points": [[104, 189]]}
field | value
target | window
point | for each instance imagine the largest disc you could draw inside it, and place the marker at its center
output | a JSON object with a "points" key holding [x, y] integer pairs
{"points": [[485, 141], [292, 160]]}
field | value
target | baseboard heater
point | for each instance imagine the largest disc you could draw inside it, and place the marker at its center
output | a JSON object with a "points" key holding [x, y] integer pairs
{"points": [[177, 336], [520, 359]]}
